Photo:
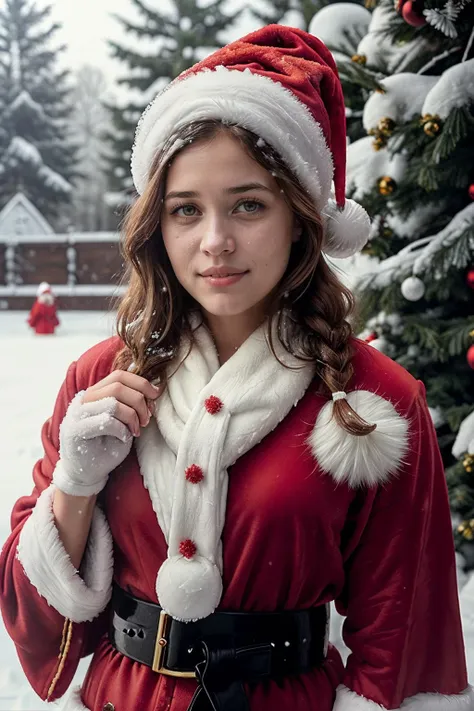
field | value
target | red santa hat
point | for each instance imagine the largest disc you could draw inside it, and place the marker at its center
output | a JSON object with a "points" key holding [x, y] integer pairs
{"points": [[43, 288], [282, 84]]}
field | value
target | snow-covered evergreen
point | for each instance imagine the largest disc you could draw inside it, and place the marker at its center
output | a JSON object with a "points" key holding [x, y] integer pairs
{"points": [[296, 13], [36, 156], [161, 45], [90, 122], [413, 173]]}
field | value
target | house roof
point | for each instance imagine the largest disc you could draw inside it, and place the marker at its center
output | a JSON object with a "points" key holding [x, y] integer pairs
{"points": [[19, 206]]}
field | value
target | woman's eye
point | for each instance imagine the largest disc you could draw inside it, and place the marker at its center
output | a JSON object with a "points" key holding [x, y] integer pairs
{"points": [[185, 211], [250, 206]]}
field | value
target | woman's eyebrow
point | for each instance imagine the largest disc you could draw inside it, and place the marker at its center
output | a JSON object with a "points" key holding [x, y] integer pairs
{"points": [[233, 191]]}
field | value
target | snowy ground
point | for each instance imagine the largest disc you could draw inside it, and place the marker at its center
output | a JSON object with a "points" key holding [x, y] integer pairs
{"points": [[31, 371]]}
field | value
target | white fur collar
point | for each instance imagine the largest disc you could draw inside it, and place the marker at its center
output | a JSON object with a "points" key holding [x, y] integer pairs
{"points": [[254, 393]]}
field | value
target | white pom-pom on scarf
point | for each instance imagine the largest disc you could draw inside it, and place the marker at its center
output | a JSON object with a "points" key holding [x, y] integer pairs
{"points": [[346, 231], [189, 590], [361, 460]]}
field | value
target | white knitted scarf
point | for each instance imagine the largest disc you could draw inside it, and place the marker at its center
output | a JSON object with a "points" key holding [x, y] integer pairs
{"points": [[254, 392]]}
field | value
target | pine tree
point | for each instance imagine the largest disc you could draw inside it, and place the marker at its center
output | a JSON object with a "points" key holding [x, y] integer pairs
{"points": [[341, 28], [299, 12], [36, 155], [330, 25], [180, 38], [414, 173], [90, 121]]}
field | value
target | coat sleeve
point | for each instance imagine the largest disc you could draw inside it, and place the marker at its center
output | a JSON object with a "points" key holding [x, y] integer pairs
{"points": [[33, 315], [400, 597], [53, 613]]}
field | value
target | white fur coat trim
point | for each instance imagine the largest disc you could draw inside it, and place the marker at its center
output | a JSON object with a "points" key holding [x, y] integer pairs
{"points": [[367, 460], [73, 701], [347, 700], [48, 566], [256, 392]]}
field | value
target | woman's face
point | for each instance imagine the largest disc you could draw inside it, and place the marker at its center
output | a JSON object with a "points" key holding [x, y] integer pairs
{"points": [[226, 227]]}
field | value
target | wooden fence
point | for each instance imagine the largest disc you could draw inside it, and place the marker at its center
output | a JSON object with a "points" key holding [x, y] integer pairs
{"points": [[84, 269]]}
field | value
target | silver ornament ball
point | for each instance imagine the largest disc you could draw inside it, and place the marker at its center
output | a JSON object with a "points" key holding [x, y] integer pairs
{"points": [[413, 288]]}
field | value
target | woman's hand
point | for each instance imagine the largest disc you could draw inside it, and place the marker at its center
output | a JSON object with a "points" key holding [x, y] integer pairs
{"points": [[97, 432], [134, 396]]}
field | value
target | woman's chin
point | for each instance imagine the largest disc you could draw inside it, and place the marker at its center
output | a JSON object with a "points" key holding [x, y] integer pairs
{"points": [[226, 307]]}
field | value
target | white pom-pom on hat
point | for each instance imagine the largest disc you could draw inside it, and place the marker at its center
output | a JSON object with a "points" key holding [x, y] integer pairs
{"points": [[346, 230], [361, 460], [43, 288], [189, 590]]}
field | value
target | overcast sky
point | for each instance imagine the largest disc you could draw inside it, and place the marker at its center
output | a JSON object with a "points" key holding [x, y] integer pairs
{"points": [[87, 24]]}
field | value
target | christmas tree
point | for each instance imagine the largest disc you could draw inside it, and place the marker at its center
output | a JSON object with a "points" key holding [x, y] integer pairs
{"points": [[298, 13], [36, 155], [414, 173], [341, 26], [175, 40]]}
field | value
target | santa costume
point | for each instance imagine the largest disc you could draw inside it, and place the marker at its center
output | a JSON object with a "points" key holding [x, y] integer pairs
{"points": [[43, 316], [243, 499]]}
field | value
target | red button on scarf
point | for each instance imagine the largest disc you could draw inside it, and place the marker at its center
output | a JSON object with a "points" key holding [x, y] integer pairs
{"points": [[194, 474], [187, 548], [213, 405]]}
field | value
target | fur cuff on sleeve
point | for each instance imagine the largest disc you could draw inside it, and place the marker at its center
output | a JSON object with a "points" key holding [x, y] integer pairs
{"points": [[347, 700], [48, 566]]}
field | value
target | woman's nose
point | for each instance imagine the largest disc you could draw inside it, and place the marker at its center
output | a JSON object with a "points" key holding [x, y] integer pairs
{"points": [[217, 236]]}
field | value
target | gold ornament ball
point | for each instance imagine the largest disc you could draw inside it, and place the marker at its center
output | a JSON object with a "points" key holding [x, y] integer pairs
{"points": [[431, 124], [432, 128], [386, 185], [378, 143], [359, 59], [471, 333], [468, 463], [386, 126], [466, 530]]}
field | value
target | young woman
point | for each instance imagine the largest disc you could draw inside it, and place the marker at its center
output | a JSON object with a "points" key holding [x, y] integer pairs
{"points": [[234, 460]]}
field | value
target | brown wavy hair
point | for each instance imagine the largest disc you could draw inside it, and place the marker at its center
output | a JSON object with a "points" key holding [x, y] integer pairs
{"points": [[153, 314]]}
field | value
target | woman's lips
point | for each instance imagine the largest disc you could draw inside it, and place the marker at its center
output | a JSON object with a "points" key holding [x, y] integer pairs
{"points": [[214, 280]]}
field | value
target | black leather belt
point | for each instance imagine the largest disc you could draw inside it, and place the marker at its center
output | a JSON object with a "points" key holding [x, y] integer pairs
{"points": [[220, 651]]}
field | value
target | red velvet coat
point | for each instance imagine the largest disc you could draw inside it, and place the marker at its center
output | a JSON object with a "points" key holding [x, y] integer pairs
{"points": [[293, 538], [43, 318]]}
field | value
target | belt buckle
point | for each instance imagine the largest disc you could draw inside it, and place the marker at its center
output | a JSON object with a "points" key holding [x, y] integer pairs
{"points": [[160, 647]]}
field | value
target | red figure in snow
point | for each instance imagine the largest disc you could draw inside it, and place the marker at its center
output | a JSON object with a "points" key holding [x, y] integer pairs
{"points": [[43, 315]]}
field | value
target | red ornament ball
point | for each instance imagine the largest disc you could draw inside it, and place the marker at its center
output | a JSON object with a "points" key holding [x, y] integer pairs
{"points": [[470, 190], [187, 548], [213, 405], [470, 278], [412, 16], [470, 356], [194, 474]]}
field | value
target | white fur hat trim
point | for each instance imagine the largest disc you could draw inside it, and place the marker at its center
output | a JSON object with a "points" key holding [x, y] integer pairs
{"points": [[366, 460]]}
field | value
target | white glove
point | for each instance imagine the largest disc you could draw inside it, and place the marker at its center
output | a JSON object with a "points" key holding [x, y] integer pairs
{"points": [[92, 443]]}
